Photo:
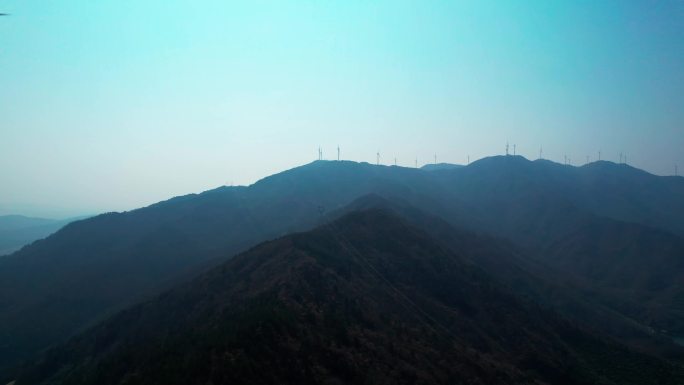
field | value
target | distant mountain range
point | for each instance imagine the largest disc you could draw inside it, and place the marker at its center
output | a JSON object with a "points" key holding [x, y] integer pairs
{"points": [[440, 166], [599, 246], [17, 231]]}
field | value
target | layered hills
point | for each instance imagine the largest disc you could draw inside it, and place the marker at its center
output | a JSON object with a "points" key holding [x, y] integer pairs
{"points": [[364, 299], [605, 237]]}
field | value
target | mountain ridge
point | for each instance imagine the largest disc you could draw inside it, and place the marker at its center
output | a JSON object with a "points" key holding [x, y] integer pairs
{"points": [[344, 302], [82, 267]]}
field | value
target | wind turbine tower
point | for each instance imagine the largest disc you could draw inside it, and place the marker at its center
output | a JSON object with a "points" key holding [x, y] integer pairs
{"points": [[506, 148], [541, 151], [378, 158], [338, 152], [435, 158], [514, 149]]}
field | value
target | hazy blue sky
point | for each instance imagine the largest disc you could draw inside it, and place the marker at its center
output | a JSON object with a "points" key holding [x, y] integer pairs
{"points": [[110, 105]]}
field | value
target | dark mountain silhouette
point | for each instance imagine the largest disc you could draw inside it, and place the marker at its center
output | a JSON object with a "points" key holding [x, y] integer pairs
{"points": [[92, 268], [364, 299], [604, 189], [17, 231], [526, 277], [563, 216]]}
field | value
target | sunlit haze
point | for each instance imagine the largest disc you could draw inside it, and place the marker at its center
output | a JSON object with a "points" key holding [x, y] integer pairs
{"points": [[113, 105]]}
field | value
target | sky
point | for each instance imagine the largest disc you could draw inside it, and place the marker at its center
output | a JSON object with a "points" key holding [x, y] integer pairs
{"points": [[113, 105]]}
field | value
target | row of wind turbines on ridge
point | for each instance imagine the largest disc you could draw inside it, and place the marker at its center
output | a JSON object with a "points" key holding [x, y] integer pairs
{"points": [[566, 160]]}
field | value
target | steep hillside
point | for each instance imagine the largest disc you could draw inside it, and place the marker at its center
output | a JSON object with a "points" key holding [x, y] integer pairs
{"points": [[366, 299], [90, 268], [60, 285], [609, 309], [639, 270]]}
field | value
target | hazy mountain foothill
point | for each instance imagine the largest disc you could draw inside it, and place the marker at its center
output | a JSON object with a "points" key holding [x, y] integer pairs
{"points": [[504, 271], [17, 231]]}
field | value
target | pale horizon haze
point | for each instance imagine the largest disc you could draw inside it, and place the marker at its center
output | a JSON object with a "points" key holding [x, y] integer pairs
{"points": [[114, 105]]}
